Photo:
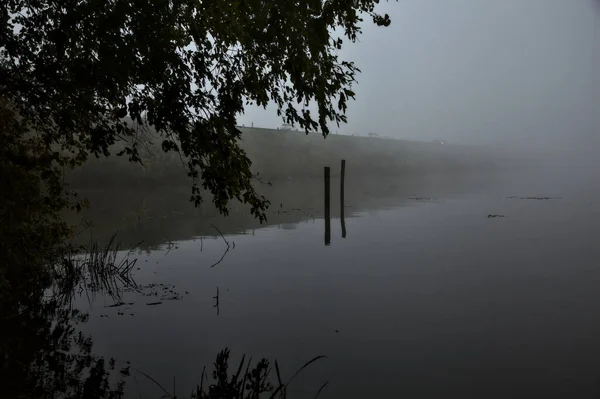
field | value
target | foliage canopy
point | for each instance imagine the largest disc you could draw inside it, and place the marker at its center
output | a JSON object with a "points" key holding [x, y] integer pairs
{"points": [[73, 70]]}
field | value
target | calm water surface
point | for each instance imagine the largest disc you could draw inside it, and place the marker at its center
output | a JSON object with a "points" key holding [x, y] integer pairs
{"points": [[424, 298]]}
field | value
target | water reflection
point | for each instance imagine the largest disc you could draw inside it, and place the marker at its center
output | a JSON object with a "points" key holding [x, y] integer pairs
{"points": [[342, 197], [161, 215], [432, 284], [426, 297], [161, 218], [44, 354], [327, 206]]}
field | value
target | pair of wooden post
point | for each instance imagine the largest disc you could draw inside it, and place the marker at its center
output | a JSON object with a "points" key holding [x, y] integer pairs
{"points": [[328, 202]]}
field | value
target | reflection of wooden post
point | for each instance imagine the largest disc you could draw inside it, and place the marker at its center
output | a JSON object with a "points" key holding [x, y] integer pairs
{"points": [[342, 176], [327, 209], [216, 305]]}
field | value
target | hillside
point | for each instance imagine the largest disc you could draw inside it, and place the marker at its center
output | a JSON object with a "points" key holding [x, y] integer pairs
{"points": [[279, 154]]}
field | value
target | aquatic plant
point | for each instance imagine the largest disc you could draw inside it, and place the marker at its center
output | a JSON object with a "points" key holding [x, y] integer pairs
{"points": [[94, 270], [248, 382]]}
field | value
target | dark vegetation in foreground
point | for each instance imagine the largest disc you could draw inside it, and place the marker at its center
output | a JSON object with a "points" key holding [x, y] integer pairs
{"points": [[247, 382]]}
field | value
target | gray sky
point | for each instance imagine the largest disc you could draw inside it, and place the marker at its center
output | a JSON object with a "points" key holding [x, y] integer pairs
{"points": [[476, 71]]}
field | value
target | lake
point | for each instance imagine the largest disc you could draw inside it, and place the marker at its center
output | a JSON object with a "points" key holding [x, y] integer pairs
{"points": [[471, 286]]}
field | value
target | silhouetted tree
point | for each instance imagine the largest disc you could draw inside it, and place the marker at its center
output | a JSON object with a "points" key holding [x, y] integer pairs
{"points": [[73, 70]]}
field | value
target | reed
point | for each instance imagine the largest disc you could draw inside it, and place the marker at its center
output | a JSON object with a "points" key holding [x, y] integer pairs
{"points": [[94, 269], [255, 382]]}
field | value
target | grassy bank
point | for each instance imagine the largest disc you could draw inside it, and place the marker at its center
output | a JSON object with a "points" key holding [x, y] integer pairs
{"points": [[278, 155]]}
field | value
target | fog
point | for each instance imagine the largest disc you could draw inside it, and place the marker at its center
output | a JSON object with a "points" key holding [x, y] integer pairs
{"points": [[507, 73]]}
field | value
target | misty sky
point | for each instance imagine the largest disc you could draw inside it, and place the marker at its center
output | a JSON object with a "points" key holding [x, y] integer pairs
{"points": [[476, 71]]}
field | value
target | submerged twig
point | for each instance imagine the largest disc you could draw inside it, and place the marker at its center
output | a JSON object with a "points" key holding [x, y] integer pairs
{"points": [[226, 250], [321, 389], [222, 257], [222, 236]]}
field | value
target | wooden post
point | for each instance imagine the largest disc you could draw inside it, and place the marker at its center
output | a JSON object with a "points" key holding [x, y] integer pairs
{"points": [[342, 177], [327, 207]]}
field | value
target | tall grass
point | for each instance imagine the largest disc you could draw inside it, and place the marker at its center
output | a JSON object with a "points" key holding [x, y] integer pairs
{"points": [[248, 382], [96, 270]]}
